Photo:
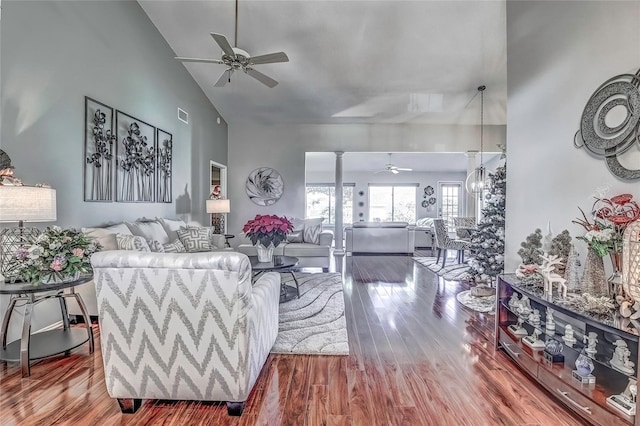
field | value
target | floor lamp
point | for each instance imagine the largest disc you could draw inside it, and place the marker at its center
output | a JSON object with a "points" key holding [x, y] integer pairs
{"points": [[19, 204], [218, 208]]}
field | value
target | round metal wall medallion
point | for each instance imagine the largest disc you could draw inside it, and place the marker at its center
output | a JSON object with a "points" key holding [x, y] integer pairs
{"points": [[264, 186]]}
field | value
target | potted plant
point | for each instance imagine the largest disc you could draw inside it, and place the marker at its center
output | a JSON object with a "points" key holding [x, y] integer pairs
{"points": [[266, 232], [57, 255]]}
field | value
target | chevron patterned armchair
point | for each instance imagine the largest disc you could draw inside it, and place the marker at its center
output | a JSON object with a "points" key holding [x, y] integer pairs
{"points": [[183, 326]]}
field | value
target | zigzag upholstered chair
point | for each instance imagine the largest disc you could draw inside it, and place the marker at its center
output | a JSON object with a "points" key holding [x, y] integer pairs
{"points": [[443, 242], [183, 326]]}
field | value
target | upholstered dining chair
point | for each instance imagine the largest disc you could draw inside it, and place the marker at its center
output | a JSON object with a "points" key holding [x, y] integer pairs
{"points": [[443, 242], [463, 226]]}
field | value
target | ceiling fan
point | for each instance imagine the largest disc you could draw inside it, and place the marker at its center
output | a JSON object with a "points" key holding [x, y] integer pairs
{"points": [[392, 168], [237, 59]]}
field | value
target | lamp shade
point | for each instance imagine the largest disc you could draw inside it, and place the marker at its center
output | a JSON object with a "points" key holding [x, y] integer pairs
{"points": [[218, 206], [27, 203]]}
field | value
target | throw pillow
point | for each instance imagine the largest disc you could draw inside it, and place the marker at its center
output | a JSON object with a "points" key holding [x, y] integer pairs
{"points": [[295, 237], [107, 236], [195, 239], [174, 247], [312, 230], [132, 242], [156, 246], [149, 230], [171, 226]]}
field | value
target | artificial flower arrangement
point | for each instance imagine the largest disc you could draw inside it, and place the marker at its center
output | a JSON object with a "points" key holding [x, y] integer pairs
{"points": [[611, 216], [267, 229], [57, 254]]}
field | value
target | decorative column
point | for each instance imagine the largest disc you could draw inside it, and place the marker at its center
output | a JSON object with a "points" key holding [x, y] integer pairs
{"points": [[471, 206], [339, 228]]}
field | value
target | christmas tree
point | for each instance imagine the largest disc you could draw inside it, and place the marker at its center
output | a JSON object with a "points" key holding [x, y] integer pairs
{"points": [[487, 242]]}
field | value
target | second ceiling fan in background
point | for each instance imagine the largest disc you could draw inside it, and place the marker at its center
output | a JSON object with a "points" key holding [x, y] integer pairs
{"points": [[237, 59]]}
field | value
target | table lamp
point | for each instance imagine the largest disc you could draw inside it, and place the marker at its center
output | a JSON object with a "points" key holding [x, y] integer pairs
{"points": [[218, 208], [22, 204]]}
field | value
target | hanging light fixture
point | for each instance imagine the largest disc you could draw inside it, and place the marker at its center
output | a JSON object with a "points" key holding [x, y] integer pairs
{"points": [[476, 181]]}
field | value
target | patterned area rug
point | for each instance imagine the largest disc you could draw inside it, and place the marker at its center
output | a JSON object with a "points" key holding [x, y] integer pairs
{"points": [[478, 304], [315, 323], [452, 271]]}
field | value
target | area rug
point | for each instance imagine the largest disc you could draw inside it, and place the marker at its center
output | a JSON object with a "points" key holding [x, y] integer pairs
{"points": [[479, 304], [451, 272], [315, 323]]}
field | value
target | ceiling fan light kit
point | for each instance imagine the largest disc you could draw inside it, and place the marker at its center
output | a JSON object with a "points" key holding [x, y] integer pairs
{"points": [[236, 59], [392, 168], [476, 180]]}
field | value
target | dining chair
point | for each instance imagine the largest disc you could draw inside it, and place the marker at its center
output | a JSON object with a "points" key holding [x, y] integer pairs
{"points": [[443, 242], [464, 226]]}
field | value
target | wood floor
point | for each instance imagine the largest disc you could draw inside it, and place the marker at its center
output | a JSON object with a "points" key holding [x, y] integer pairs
{"points": [[417, 358]]}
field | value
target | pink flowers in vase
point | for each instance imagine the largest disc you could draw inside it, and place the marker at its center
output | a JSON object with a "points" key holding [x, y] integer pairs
{"points": [[267, 229]]}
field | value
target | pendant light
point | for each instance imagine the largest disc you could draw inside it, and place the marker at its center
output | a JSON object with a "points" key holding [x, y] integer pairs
{"points": [[476, 181]]}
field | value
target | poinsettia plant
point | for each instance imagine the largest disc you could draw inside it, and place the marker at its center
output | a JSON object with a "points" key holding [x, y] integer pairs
{"points": [[267, 229]]}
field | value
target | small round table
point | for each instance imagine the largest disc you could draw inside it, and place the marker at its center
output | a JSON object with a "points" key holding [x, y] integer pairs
{"points": [[41, 345], [279, 264], [227, 237]]}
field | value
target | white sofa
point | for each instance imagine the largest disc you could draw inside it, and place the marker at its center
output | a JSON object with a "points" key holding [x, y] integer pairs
{"points": [[424, 233], [159, 229], [183, 326], [380, 238]]}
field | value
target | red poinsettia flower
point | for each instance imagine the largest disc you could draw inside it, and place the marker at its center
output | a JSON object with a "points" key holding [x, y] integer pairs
{"points": [[267, 229]]}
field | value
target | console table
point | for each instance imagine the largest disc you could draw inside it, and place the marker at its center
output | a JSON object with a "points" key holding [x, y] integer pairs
{"points": [[588, 400], [40, 345]]}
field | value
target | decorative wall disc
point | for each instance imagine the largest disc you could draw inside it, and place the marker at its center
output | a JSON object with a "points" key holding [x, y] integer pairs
{"points": [[432, 200], [425, 203], [264, 186], [609, 140], [428, 190]]}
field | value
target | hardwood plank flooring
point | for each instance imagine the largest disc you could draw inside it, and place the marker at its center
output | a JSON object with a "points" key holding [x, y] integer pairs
{"points": [[417, 357]]}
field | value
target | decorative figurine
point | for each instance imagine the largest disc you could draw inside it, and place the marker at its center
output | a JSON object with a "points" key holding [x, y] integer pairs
{"points": [[620, 360], [547, 269], [514, 302], [584, 368], [534, 341], [534, 318], [568, 338], [553, 351], [524, 309], [518, 330], [626, 401], [591, 341], [550, 324]]}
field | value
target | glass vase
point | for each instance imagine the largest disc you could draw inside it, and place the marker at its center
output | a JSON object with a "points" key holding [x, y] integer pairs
{"points": [[593, 278], [584, 364], [265, 254]]}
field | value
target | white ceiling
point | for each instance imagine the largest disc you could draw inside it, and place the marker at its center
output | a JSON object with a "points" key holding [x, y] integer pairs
{"points": [[371, 161], [350, 61]]}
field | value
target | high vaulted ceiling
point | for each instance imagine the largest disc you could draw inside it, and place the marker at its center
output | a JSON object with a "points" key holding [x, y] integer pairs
{"points": [[350, 61]]}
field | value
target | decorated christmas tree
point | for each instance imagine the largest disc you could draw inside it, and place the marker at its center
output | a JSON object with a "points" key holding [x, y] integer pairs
{"points": [[487, 242]]}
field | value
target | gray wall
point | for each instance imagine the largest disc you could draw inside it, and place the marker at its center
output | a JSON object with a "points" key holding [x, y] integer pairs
{"points": [[558, 54], [283, 148], [55, 53]]}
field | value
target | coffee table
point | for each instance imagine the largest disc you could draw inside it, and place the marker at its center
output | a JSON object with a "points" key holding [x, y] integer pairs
{"points": [[279, 264], [40, 345]]}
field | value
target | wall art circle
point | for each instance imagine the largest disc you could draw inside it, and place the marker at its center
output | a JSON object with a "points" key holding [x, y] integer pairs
{"points": [[428, 190], [264, 186]]}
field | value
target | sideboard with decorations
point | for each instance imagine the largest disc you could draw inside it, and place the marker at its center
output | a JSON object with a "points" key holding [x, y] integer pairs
{"points": [[607, 395]]}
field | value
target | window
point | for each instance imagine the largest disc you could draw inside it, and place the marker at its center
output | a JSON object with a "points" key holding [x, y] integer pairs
{"points": [[387, 202], [321, 200], [450, 201]]}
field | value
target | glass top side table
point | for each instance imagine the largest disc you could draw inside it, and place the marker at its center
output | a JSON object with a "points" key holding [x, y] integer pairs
{"points": [[40, 345]]}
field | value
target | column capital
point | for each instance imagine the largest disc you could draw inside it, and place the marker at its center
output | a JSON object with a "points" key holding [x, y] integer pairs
{"points": [[471, 153], [338, 153]]}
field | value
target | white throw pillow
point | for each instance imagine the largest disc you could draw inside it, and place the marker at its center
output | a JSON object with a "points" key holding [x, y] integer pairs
{"points": [[171, 226], [195, 239], [106, 237], [174, 247], [151, 230], [312, 230], [132, 242]]}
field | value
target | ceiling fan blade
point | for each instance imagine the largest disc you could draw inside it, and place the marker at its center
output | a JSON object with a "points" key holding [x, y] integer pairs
{"points": [[209, 61], [404, 169], [395, 171], [224, 78], [224, 44], [269, 58], [264, 79]]}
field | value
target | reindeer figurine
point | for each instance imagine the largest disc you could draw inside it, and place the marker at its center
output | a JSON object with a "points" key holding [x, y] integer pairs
{"points": [[547, 269]]}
